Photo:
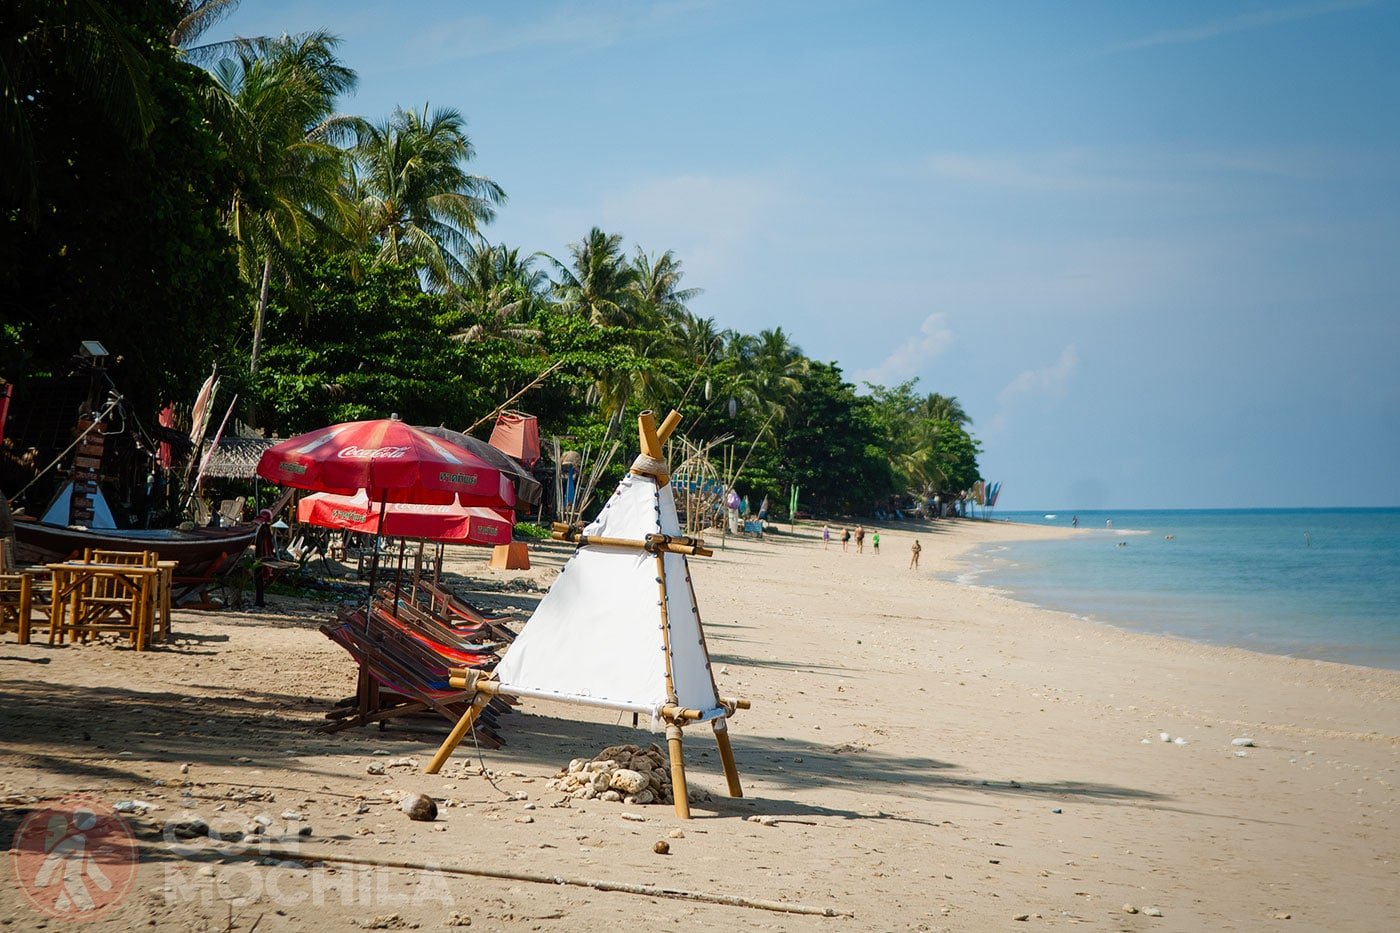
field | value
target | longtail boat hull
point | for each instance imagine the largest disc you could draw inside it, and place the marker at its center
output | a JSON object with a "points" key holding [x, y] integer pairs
{"points": [[201, 554]]}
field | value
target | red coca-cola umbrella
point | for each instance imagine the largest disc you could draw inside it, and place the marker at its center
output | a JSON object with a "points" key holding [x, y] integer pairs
{"points": [[389, 461], [451, 524]]}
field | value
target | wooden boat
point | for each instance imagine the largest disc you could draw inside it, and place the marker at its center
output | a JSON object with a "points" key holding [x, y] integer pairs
{"points": [[202, 553]]}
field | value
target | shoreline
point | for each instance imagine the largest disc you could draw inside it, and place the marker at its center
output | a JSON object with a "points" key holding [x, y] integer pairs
{"points": [[922, 754], [955, 576]]}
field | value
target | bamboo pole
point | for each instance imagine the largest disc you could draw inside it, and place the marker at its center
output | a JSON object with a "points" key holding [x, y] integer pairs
{"points": [[644, 890], [668, 426], [646, 428], [726, 757], [459, 731], [655, 543], [678, 790], [501, 407]]}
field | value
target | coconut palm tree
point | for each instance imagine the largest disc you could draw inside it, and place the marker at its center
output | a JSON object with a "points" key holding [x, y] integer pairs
{"points": [[416, 200], [275, 111], [938, 407], [196, 17], [498, 289], [600, 283]]}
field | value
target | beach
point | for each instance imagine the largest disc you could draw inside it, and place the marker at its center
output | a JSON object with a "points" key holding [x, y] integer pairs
{"points": [[920, 755]]}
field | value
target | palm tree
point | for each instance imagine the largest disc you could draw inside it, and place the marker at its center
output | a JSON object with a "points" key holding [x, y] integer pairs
{"points": [[600, 284], [415, 198], [275, 112], [196, 17], [81, 41], [660, 300], [498, 290], [778, 368], [938, 407]]}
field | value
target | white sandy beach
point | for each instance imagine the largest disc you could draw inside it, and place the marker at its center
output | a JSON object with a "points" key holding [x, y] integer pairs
{"points": [[932, 756]]}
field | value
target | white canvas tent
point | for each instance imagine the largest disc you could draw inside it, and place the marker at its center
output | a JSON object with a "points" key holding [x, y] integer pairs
{"points": [[619, 628]]}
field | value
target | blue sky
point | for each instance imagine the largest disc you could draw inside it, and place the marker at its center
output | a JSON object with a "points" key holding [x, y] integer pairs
{"points": [[1152, 248]]}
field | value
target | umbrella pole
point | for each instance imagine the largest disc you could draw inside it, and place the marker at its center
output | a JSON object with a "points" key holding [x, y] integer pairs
{"points": [[398, 579], [374, 558]]}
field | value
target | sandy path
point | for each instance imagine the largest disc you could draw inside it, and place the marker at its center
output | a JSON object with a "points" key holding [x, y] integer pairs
{"points": [[911, 741]]}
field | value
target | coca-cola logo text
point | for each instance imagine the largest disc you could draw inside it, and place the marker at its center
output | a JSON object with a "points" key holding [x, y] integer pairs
{"points": [[372, 453]]}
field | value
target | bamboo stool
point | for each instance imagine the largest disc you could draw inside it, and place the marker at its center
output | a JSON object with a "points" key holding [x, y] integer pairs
{"points": [[16, 605]]}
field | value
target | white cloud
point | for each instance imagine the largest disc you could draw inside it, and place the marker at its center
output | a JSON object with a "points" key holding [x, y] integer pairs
{"points": [[907, 359], [1243, 22], [1046, 384]]}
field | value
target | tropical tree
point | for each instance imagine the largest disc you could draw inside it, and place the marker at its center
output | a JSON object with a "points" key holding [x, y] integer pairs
{"points": [[196, 17], [497, 292], [415, 198], [49, 49], [599, 285], [938, 407], [275, 110]]}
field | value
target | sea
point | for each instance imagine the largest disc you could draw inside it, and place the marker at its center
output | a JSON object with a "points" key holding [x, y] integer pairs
{"points": [[1307, 583]]}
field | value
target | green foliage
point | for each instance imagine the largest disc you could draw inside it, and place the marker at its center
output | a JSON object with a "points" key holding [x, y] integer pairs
{"points": [[127, 247], [356, 348]]}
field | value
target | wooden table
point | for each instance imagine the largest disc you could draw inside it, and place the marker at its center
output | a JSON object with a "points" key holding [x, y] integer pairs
{"points": [[88, 597]]}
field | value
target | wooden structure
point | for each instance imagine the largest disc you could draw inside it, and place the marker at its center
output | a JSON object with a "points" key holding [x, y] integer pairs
{"points": [[405, 650], [592, 639], [123, 592]]}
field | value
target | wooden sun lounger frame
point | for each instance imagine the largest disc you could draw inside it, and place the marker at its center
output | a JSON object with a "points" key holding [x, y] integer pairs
{"points": [[652, 464]]}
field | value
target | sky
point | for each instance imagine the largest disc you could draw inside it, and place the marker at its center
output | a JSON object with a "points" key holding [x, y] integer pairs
{"points": [[1154, 249]]}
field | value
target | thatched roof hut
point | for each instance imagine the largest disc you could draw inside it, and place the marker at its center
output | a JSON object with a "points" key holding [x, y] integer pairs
{"points": [[237, 457]]}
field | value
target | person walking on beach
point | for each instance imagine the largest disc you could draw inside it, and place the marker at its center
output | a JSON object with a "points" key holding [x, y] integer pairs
{"points": [[845, 539], [860, 539], [1074, 521], [875, 542], [914, 555], [826, 537]]}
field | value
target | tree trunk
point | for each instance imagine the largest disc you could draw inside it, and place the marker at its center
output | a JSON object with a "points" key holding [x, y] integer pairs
{"points": [[258, 317]]}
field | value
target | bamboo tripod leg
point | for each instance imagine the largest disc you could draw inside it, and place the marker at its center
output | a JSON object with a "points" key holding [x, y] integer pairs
{"points": [[726, 756], [678, 789], [459, 732]]}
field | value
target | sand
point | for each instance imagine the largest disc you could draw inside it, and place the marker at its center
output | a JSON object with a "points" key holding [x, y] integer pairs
{"points": [[922, 755]]}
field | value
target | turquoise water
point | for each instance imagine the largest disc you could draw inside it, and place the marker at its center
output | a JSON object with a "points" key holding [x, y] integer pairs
{"points": [[1307, 583]]}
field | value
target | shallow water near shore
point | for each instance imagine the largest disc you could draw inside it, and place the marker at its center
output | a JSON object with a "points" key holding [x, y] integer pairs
{"points": [[1321, 584]]}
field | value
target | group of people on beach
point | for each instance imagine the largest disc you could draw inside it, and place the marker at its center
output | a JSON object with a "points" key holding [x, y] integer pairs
{"points": [[859, 536]]}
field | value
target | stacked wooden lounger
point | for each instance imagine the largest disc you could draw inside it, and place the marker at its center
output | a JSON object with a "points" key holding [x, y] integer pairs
{"points": [[405, 652]]}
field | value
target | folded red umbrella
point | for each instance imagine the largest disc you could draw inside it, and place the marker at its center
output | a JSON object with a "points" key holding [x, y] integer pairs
{"points": [[388, 460]]}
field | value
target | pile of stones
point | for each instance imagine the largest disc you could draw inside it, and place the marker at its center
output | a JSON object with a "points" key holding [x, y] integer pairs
{"points": [[620, 773]]}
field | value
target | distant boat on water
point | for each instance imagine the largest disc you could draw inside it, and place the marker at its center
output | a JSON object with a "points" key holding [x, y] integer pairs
{"points": [[1051, 517]]}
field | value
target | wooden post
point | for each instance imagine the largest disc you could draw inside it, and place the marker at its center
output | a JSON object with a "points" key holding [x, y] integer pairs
{"points": [[673, 421], [726, 756], [673, 744]]}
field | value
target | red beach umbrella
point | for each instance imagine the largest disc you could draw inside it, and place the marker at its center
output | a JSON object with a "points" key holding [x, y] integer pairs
{"points": [[388, 460], [452, 524]]}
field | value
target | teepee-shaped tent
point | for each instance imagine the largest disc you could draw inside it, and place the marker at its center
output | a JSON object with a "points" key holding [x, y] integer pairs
{"points": [[619, 628]]}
